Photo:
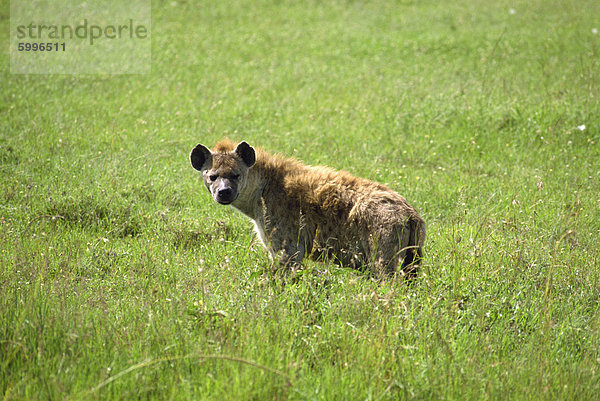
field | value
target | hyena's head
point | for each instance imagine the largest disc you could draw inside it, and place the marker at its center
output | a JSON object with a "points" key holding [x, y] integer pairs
{"points": [[225, 169]]}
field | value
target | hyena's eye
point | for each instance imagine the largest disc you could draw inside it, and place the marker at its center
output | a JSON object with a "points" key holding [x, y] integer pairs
{"points": [[213, 177]]}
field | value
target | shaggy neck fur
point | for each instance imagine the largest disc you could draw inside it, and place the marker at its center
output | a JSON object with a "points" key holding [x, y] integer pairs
{"points": [[267, 174]]}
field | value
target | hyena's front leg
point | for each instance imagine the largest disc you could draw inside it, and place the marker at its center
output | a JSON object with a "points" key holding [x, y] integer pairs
{"points": [[292, 256], [290, 253], [289, 248]]}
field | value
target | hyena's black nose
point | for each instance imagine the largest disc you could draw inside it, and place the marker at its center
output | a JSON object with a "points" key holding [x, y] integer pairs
{"points": [[225, 193]]}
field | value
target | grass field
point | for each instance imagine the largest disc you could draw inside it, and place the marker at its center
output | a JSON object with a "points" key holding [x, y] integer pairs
{"points": [[120, 278]]}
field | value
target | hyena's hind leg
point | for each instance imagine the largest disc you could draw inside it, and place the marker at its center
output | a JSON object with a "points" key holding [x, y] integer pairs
{"points": [[385, 253], [413, 250], [402, 244]]}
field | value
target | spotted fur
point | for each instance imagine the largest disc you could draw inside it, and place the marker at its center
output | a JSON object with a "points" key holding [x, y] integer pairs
{"points": [[305, 211]]}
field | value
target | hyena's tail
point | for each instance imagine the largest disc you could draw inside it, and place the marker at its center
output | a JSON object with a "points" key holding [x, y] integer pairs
{"points": [[414, 253]]}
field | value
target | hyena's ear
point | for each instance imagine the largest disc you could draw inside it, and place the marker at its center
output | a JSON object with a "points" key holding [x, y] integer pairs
{"points": [[246, 153], [201, 158]]}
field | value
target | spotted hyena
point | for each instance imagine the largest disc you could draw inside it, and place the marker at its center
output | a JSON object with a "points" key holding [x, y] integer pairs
{"points": [[301, 210]]}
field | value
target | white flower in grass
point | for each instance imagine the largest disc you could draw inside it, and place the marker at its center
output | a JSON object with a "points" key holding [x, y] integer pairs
{"points": [[512, 11], [595, 31], [581, 127]]}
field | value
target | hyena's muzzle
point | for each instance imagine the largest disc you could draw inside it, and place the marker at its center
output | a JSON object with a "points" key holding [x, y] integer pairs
{"points": [[223, 190]]}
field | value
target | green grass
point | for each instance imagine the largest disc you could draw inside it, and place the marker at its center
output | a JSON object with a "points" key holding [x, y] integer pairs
{"points": [[121, 279]]}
